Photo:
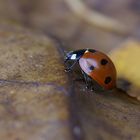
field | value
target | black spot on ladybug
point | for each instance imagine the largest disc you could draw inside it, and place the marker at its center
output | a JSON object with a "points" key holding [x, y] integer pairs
{"points": [[104, 62], [107, 80], [91, 67]]}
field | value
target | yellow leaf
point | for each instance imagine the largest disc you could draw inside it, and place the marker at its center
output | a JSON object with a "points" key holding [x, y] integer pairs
{"points": [[127, 61]]}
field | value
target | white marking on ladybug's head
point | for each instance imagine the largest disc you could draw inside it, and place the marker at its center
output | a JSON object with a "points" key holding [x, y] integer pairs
{"points": [[73, 57], [86, 51]]}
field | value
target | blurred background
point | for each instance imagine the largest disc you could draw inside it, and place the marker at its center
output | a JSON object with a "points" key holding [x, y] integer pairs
{"points": [[64, 20]]}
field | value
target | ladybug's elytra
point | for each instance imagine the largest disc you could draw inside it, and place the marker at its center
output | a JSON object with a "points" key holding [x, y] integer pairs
{"points": [[94, 64]]}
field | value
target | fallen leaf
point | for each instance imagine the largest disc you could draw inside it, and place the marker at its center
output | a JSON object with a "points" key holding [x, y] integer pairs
{"points": [[33, 95], [126, 59]]}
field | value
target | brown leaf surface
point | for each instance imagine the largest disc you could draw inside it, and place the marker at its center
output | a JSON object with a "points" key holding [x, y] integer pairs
{"points": [[33, 95], [107, 115]]}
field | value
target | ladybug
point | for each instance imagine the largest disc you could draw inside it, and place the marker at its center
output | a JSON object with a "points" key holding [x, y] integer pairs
{"points": [[94, 65]]}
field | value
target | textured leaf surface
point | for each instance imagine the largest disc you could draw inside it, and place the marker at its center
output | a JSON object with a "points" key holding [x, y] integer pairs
{"points": [[33, 97]]}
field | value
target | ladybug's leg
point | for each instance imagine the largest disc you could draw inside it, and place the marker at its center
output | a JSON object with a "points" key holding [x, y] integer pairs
{"points": [[87, 81], [68, 69], [65, 61]]}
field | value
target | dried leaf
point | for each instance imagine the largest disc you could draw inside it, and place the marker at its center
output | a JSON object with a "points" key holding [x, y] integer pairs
{"points": [[33, 101]]}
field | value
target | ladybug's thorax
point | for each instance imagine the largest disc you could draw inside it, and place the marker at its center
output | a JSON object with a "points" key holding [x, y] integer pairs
{"points": [[76, 55]]}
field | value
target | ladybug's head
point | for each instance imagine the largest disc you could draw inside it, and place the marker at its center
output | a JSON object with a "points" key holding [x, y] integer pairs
{"points": [[74, 55], [70, 56]]}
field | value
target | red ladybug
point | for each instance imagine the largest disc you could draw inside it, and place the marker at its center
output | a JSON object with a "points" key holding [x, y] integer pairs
{"points": [[94, 64]]}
